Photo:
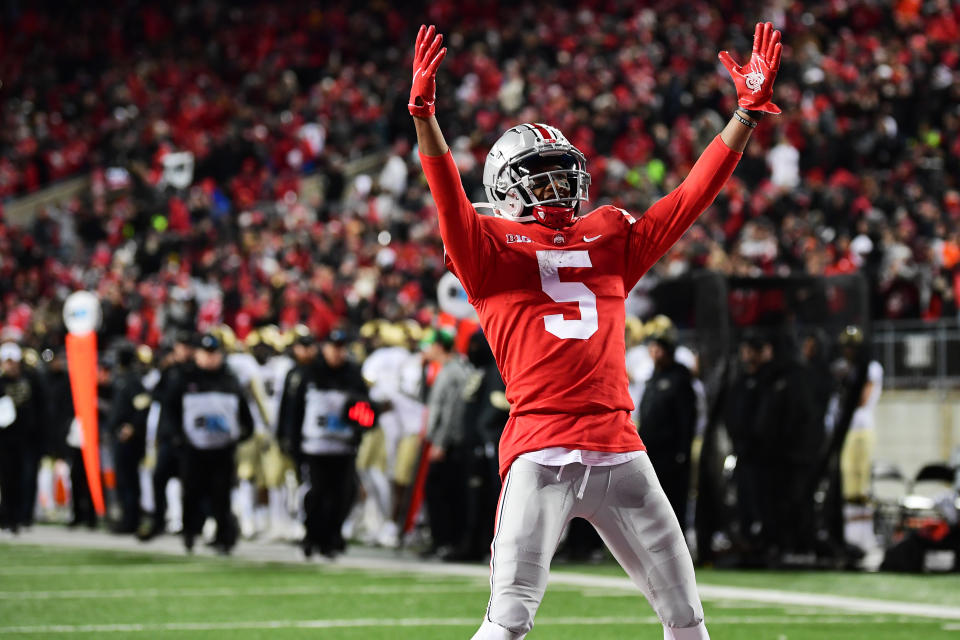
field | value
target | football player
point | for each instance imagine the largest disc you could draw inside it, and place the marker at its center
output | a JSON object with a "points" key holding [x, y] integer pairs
{"points": [[549, 283]]}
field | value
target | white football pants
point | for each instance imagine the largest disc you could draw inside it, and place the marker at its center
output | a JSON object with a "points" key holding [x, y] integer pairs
{"points": [[630, 512]]}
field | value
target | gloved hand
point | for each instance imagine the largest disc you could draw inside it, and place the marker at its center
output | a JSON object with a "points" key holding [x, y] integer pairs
{"points": [[755, 80], [427, 56]]}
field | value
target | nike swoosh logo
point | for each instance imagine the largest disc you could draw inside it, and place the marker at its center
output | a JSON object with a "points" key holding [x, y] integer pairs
{"points": [[586, 239]]}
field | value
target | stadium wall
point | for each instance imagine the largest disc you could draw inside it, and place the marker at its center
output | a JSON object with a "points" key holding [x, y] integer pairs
{"points": [[917, 427]]}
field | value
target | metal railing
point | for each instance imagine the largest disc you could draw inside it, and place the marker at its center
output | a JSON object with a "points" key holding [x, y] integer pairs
{"points": [[915, 354], [918, 354]]}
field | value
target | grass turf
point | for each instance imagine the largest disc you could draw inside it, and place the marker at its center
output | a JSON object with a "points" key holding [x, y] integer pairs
{"points": [[56, 592], [943, 589]]}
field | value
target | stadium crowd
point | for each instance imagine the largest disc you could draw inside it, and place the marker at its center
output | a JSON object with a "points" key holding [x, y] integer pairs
{"points": [[860, 174], [219, 140]]}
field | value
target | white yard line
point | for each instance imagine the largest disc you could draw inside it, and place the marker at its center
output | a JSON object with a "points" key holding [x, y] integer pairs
{"points": [[89, 569], [846, 603], [260, 553], [231, 592]]}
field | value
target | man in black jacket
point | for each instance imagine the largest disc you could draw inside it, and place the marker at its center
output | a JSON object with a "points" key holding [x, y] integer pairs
{"points": [[484, 413], [167, 464], [315, 431], [740, 417], [788, 441], [207, 415], [668, 418], [127, 423], [22, 414]]}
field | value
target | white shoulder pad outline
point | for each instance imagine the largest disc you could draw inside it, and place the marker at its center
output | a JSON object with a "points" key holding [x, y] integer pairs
{"points": [[626, 215]]}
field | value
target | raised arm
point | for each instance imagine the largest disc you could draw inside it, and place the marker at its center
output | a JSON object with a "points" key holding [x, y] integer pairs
{"points": [[754, 84], [427, 56], [459, 226], [670, 217]]}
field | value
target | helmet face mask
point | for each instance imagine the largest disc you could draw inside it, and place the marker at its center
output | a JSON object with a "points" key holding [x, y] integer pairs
{"points": [[530, 159]]}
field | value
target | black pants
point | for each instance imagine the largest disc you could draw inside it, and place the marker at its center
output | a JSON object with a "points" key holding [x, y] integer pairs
{"points": [[83, 512], [167, 467], [208, 476], [795, 512], [333, 489], [673, 471], [481, 494], [11, 484], [29, 469], [127, 456], [748, 478], [446, 495]]}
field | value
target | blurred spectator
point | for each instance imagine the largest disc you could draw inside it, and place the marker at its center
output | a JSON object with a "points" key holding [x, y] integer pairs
{"points": [[127, 425], [740, 419], [23, 413], [484, 411], [787, 435], [314, 431], [861, 386], [446, 483], [668, 418], [208, 415], [161, 434]]}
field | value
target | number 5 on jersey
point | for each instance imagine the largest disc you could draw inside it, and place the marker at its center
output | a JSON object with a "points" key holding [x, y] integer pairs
{"points": [[551, 261]]}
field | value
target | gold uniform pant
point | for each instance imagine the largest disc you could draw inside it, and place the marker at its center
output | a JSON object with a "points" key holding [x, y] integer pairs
{"points": [[260, 460], [372, 454], [855, 463]]}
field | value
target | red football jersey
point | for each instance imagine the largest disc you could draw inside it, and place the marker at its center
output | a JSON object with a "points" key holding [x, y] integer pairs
{"points": [[551, 303]]}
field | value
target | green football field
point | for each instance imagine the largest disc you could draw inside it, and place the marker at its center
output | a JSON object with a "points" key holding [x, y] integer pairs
{"points": [[51, 592]]}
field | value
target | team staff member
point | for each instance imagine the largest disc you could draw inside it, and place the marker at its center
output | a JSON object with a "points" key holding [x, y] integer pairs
{"points": [[314, 430], [208, 415], [127, 422], [22, 415], [446, 486], [167, 465], [668, 418]]}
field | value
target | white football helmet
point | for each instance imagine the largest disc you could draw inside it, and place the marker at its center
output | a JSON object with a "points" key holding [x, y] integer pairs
{"points": [[526, 158]]}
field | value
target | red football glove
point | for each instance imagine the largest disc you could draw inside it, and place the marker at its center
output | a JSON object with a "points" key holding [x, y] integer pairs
{"points": [[427, 56], [755, 81]]}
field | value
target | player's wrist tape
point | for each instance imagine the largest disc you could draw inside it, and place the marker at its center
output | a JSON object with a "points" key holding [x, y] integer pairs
{"points": [[752, 125]]}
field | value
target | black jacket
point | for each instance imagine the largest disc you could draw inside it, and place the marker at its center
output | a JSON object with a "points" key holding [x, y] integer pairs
{"points": [[131, 404], [668, 411], [205, 410], [26, 393], [313, 409], [485, 408]]}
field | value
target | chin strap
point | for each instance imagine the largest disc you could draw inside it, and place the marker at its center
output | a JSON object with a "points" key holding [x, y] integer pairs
{"points": [[554, 217]]}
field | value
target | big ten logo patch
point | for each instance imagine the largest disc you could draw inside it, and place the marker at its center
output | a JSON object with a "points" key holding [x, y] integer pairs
{"points": [[331, 422], [213, 422], [511, 238]]}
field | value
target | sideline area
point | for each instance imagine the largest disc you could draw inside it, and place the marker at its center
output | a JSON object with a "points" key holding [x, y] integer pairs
{"points": [[379, 560]]}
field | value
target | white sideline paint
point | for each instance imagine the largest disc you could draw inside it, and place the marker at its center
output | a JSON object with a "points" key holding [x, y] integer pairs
{"points": [[419, 622], [87, 569], [230, 592], [261, 553], [773, 596], [859, 605]]}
